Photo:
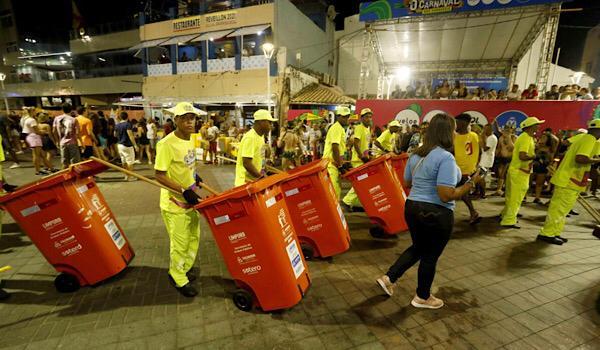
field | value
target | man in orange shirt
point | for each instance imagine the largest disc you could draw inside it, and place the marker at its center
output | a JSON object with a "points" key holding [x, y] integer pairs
{"points": [[466, 153], [87, 139]]}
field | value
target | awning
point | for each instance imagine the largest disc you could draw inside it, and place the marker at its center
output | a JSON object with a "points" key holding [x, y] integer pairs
{"points": [[149, 43], [319, 94], [249, 30], [212, 35], [180, 39]]}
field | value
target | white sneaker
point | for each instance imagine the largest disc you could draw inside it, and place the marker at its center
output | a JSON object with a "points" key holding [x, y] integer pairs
{"points": [[15, 165], [385, 284], [431, 303], [136, 162], [150, 162], [19, 152]]}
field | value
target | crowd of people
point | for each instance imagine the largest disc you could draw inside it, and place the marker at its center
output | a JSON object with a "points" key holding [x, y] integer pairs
{"points": [[450, 159], [460, 91]]}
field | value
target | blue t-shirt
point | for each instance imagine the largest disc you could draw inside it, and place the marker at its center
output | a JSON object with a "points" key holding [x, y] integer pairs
{"points": [[122, 136], [437, 169]]}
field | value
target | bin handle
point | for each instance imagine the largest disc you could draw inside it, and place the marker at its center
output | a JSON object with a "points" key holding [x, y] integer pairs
{"points": [[270, 168]]}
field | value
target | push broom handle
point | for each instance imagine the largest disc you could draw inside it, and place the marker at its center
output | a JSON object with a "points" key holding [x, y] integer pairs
{"points": [[147, 180], [270, 168]]}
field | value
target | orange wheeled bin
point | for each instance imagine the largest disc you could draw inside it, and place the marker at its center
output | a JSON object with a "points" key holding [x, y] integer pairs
{"points": [[316, 214], [255, 235], [67, 218], [398, 162], [381, 195]]}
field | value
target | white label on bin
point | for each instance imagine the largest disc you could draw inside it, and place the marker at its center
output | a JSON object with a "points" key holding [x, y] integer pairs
{"points": [[82, 188], [114, 233], [269, 202], [291, 192], [221, 219], [31, 210], [342, 217], [362, 177], [295, 258]]}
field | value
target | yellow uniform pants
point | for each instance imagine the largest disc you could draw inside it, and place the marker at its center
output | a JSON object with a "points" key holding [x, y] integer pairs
{"points": [[334, 175], [561, 204], [351, 199], [517, 184], [184, 237]]}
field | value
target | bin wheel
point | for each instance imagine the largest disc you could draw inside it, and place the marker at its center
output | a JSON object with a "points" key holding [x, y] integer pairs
{"points": [[307, 251], [243, 300], [66, 283], [596, 232], [377, 232]]}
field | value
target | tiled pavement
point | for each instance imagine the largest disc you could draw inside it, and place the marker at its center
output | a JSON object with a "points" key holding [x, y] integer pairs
{"points": [[502, 290]]}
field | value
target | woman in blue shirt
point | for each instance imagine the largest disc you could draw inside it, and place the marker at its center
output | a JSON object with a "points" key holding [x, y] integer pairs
{"points": [[432, 174]]}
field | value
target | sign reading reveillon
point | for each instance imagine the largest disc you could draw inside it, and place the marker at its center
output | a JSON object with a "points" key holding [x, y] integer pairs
{"points": [[220, 18]]}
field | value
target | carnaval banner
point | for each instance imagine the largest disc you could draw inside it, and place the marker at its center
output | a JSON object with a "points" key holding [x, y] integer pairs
{"points": [[567, 115], [388, 9]]}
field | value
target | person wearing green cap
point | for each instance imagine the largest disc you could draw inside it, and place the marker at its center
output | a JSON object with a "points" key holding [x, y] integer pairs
{"points": [[519, 170], [175, 168], [385, 141], [360, 153], [569, 180], [335, 146], [250, 163]]}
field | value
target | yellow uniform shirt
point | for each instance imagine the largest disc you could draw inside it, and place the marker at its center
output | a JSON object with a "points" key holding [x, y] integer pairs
{"points": [[1, 150], [571, 174], [363, 134], [524, 143], [466, 152], [250, 147], [178, 158], [386, 139], [337, 135]]}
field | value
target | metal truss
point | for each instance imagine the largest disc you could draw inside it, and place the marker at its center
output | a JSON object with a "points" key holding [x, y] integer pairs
{"points": [[548, 42]]}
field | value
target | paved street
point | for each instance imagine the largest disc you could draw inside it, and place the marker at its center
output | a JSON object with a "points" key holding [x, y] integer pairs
{"points": [[502, 290]]}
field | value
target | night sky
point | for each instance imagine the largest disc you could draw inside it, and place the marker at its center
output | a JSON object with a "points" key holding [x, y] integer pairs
{"points": [[50, 21]]}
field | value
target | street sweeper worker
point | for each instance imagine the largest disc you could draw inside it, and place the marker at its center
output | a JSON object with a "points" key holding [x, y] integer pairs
{"points": [[519, 170], [251, 162], [335, 146], [385, 141], [360, 153], [175, 168], [569, 180]]}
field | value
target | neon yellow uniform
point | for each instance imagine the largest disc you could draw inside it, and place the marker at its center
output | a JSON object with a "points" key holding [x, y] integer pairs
{"points": [[569, 180], [386, 139], [250, 147], [362, 133], [177, 158], [466, 152], [335, 135], [517, 179]]}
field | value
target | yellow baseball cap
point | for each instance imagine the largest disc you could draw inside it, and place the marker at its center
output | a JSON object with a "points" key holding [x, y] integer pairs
{"points": [[531, 121], [594, 124], [353, 118], [184, 108], [263, 114], [343, 111], [394, 123], [365, 111]]}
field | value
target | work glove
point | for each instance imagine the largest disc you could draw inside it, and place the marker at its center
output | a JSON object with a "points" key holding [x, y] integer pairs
{"points": [[197, 179], [9, 188], [191, 197], [344, 168]]}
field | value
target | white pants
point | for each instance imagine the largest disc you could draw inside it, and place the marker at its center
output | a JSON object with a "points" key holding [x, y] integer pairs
{"points": [[127, 154]]}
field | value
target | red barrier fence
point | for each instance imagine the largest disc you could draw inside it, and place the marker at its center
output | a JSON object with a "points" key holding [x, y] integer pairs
{"points": [[558, 114]]}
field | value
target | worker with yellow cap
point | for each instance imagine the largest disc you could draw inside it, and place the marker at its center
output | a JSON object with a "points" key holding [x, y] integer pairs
{"points": [[519, 170], [385, 141], [360, 153], [250, 159], [175, 168], [569, 180], [335, 146]]}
